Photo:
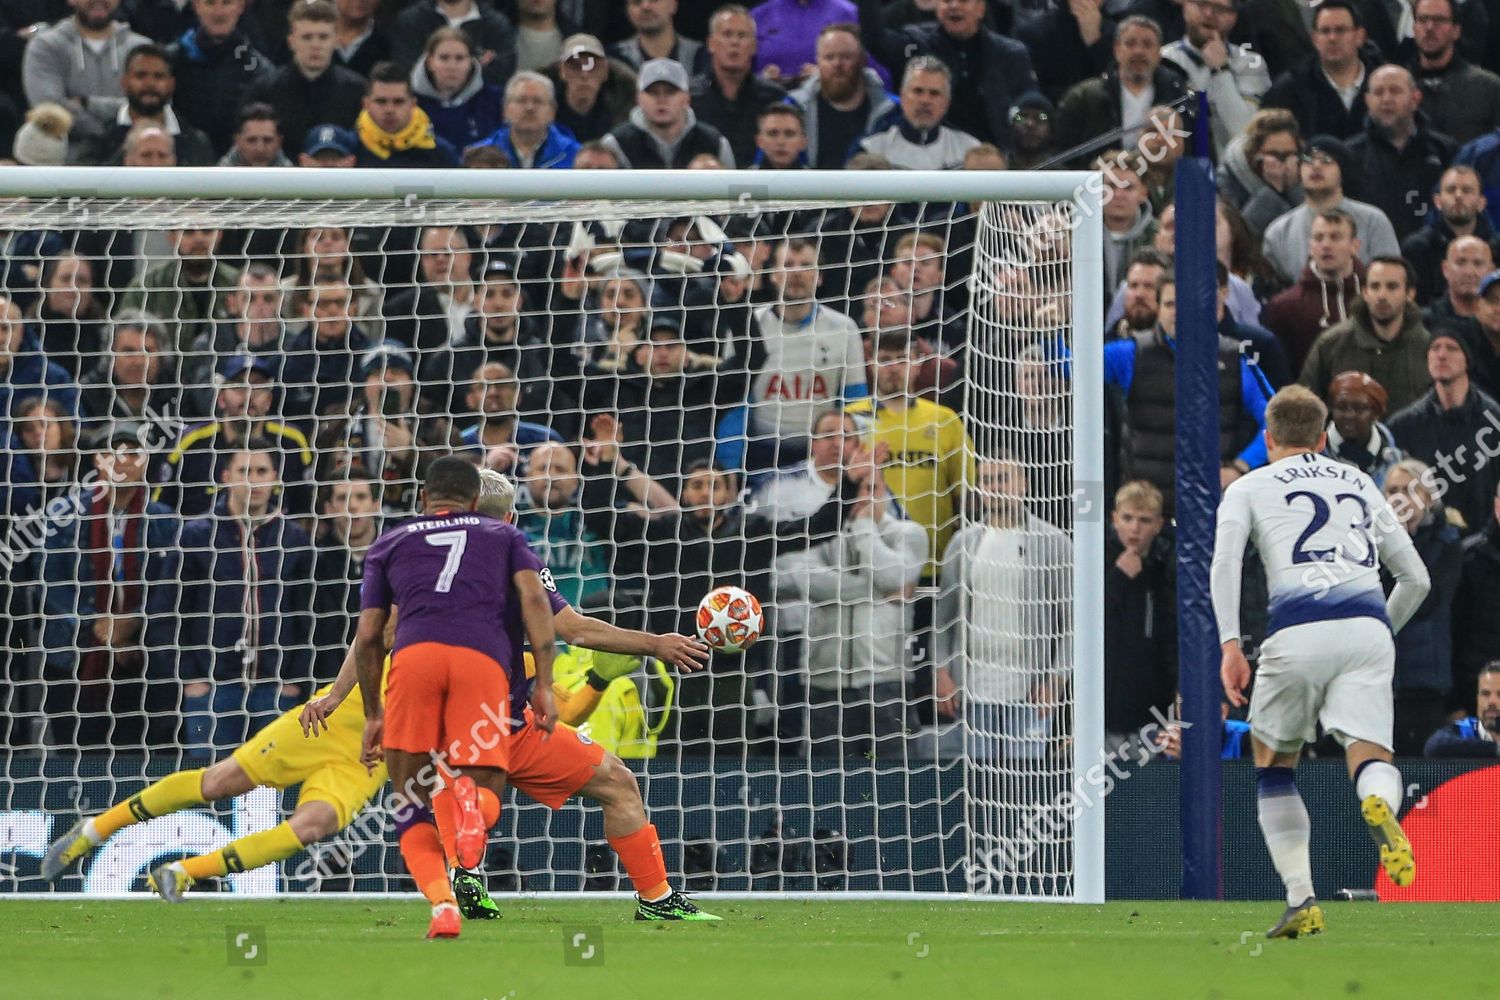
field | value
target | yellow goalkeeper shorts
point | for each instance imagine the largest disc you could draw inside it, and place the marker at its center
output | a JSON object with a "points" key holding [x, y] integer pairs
{"points": [[327, 765]]}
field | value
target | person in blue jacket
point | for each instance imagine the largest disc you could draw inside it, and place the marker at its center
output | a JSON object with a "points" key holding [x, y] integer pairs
{"points": [[449, 86], [531, 137]]}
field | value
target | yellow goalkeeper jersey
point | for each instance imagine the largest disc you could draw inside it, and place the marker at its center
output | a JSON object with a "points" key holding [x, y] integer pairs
{"points": [[932, 463]]}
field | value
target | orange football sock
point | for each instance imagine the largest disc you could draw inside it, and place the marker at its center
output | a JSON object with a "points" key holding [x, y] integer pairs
{"points": [[445, 813], [641, 854], [423, 854], [489, 808]]}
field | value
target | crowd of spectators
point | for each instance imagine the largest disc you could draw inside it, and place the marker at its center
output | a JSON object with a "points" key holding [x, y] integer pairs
{"points": [[228, 417]]}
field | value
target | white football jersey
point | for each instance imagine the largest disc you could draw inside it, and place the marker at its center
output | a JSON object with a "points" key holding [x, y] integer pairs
{"points": [[1322, 529]]}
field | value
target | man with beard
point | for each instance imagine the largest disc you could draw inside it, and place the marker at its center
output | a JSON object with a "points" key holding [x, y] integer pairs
{"points": [[1234, 77], [1477, 735], [1461, 99], [1460, 205], [77, 63], [842, 101], [1148, 266], [1401, 154], [148, 85], [190, 292]]}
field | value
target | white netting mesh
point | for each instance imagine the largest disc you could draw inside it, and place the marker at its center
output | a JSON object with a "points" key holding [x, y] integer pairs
{"points": [[598, 352]]}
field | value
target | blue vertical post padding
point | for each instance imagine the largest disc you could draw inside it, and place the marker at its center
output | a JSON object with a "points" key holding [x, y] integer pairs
{"points": [[1197, 499]]}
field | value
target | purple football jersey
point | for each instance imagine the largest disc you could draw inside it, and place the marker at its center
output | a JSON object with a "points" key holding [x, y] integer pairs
{"points": [[451, 577], [515, 630]]}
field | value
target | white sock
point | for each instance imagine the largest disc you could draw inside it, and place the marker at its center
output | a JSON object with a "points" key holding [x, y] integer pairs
{"points": [[1379, 777], [663, 896], [1285, 825], [92, 833]]}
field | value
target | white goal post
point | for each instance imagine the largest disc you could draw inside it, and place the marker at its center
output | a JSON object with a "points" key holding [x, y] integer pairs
{"points": [[985, 821]]}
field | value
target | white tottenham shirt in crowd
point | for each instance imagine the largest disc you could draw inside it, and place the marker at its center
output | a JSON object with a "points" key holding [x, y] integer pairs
{"points": [[808, 364]]}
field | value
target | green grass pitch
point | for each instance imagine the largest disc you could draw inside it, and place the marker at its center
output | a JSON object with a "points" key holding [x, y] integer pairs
{"points": [[771, 949]]}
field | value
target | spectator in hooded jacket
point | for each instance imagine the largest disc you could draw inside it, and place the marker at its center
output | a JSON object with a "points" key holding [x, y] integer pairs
{"points": [[312, 89], [78, 63], [663, 131], [217, 66], [1447, 428], [1424, 646], [452, 90], [1325, 293], [1356, 435], [843, 101]]}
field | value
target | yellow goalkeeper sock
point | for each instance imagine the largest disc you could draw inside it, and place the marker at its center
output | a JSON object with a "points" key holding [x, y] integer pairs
{"points": [[176, 791], [245, 854]]}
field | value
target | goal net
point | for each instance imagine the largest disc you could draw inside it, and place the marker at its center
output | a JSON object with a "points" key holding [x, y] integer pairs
{"points": [[870, 398]]}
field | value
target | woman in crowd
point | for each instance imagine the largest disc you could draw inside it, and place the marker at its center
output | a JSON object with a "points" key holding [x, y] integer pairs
{"points": [[451, 89]]}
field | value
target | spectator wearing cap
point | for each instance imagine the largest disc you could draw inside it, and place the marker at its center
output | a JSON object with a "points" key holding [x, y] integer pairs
{"points": [[1461, 99], [1446, 429], [311, 89], [189, 477], [1123, 97], [149, 84], [727, 94], [531, 137], [1399, 150], [662, 130], [463, 107], [595, 93], [656, 37], [43, 140], [257, 139], [393, 131], [1483, 339], [1232, 75], [1327, 172], [502, 438], [98, 570], [491, 31], [1325, 90], [1383, 337], [190, 293], [1325, 293], [1031, 130], [843, 101], [1458, 210], [1357, 435], [328, 146], [919, 140], [324, 356], [217, 67], [243, 593], [77, 63], [988, 71]]}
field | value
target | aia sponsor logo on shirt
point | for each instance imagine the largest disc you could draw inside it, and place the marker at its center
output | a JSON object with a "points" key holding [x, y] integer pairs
{"points": [[797, 386]]}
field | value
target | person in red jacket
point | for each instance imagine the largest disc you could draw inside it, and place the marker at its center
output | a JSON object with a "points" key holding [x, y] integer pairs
{"points": [[1327, 291]]}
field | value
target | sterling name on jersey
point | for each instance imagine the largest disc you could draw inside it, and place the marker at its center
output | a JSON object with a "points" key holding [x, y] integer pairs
{"points": [[1322, 529]]}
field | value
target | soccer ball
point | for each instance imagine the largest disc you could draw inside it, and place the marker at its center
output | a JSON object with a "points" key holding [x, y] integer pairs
{"points": [[729, 619]]}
